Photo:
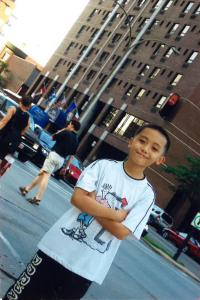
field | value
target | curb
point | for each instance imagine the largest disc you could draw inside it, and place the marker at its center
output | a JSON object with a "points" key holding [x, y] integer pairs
{"points": [[167, 257]]}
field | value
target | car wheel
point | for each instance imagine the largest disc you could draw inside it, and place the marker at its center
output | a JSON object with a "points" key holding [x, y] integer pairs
{"points": [[165, 234], [23, 158], [185, 249]]}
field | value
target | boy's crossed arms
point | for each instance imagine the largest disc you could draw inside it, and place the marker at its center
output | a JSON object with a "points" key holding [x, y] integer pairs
{"points": [[109, 218]]}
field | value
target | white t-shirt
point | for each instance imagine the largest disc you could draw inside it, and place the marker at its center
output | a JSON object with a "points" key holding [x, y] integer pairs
{"points": [[77, 241]]}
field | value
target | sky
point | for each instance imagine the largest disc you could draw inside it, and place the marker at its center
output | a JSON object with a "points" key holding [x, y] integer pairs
{"points": [[40, 25]]}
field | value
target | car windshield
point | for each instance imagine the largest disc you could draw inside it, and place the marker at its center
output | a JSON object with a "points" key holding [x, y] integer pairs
{"points": [[167, 218]]}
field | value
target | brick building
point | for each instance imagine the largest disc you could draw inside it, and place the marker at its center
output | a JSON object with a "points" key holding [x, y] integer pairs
{"points": [[119, 85]]}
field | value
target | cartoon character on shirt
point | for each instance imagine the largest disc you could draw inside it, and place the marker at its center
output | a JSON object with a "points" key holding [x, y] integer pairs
{"points": [[102, 239]]}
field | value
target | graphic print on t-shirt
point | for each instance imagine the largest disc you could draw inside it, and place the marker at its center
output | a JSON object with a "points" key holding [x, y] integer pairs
{"points": [[101, 240]]}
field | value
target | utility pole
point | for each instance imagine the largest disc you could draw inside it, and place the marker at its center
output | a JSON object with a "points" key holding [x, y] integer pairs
{"points": [[88, 112], [62, 87]]}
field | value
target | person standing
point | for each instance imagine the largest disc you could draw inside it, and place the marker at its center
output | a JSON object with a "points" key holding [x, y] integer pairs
{"points": [[66, 144], [111, 201], [13, 125]]}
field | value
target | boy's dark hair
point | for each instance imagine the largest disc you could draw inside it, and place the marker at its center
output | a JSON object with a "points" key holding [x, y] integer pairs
{"points": [[26, 101], [76, 124], [159, 129]]}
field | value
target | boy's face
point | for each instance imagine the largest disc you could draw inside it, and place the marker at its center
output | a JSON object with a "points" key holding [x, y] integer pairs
{"points": [[147, 148]]}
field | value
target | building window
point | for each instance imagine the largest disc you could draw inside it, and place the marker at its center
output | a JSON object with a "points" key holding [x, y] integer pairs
{"points": [[141, 2], [158, 49], [184, 31], [116, 60], [102, 35], [83, 28], [176, 79], [103, 56], [168, 53], [71, 45], [192, 57], [173, 28], [144, 70], [128, 125], [83, 50], [94, 33], [167, 5], [71, 67], [154, 73], [116, 16], [130, 90], [188, 7], [116, 38], [91, 74], [93, 13], [160, 102], [197, 11], [110, 116], [103, 79], [140, 94], [58, 63], [128, 20]]}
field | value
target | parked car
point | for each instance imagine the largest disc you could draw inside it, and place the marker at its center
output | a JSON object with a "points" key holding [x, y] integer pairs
{"points": [[73, 172], [30, 143], [193, 246], [160, 219]]}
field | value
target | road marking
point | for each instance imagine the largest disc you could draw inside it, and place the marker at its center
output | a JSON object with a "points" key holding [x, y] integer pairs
{"points": [[12, 250]]}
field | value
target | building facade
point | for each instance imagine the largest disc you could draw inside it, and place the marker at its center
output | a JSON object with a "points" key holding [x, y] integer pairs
{"points": [[126, 63]]}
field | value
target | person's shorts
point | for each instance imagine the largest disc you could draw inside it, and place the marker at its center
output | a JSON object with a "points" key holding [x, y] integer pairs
{"points": [[52, 163]]}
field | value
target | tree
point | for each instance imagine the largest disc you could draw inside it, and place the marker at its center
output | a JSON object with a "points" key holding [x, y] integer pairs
{"points": [[3, 71], [188, 178]]}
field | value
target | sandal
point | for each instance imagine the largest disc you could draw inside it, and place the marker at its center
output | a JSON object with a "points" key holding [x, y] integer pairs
{"points": [[23, 191], [34, 200]]}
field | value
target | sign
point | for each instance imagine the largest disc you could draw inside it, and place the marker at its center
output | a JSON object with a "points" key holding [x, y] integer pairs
{"points": [[40, 117], [196, 221], [53, 113]]}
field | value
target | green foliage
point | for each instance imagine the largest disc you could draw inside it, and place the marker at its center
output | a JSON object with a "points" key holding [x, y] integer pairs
{"points": [[188, 177]]}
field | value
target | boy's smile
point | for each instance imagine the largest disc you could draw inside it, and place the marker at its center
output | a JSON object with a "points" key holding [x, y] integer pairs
{"points": [[145, 149]]}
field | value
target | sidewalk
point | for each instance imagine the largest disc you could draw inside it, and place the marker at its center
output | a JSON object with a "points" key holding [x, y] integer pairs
{"points": [[172, 261]]}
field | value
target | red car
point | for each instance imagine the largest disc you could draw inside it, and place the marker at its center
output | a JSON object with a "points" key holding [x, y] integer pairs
{"points": [[193, 246], [74, 170]]}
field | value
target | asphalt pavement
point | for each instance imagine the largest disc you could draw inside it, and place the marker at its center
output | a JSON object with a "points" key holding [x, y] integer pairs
{"points": [[137, 271]]}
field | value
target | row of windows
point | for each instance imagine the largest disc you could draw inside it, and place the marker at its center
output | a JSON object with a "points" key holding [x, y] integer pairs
{"points": [[188, 7]]}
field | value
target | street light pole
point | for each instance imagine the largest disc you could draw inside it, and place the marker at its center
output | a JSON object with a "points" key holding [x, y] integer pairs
{"points": [[88, 112]]}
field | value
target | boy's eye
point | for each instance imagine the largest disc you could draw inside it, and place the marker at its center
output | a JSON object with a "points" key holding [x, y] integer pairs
{"points": [[142, 141], [155, 149]]}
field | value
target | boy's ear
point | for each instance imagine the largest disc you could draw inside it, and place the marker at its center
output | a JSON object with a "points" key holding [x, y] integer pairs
{"points": [[161, 160], [130, 142]]}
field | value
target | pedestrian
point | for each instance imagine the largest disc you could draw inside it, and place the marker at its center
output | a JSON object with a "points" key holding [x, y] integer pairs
{"points": [[13, 125], [66, 144], [112, 200]]}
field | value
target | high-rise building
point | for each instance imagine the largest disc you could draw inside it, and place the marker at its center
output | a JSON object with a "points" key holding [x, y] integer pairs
{"points": [[123, 71]]}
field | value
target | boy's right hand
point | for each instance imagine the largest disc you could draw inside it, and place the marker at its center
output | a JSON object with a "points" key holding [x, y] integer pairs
{"points": [[121, 215]]}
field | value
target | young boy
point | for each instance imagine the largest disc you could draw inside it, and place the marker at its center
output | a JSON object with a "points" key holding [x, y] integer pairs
{"points": [[112, 200]]}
